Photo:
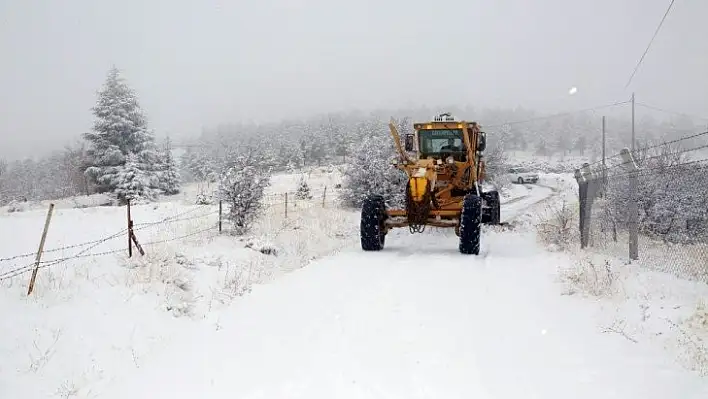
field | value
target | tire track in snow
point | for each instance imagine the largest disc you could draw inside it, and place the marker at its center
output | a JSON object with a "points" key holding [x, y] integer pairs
{"points": [[540, 193]]}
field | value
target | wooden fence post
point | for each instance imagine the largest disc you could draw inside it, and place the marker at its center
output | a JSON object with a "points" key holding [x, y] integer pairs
{"points": [[286, 205], [220, 216], [130, 232], [41, 248], [324, 196], [132, 239]]}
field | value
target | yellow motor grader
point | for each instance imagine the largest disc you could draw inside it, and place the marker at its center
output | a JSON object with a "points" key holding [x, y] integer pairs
{"points": [[443, 188]]}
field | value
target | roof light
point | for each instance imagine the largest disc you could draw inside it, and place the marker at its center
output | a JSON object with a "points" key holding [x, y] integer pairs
{"points": [[445, 117]]}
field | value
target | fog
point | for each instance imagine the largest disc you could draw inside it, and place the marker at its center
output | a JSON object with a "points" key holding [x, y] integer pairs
{"points": [[196, 64]]}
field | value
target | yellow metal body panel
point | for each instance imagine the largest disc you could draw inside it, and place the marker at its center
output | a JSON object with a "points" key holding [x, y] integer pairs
{"points": [[418, 188]]}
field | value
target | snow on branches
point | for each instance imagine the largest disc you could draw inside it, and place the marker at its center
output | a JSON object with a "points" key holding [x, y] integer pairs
{"points": [[303, 190], [169, 178], [242, 187], [120, 132], [369, 171], [134, 184]]}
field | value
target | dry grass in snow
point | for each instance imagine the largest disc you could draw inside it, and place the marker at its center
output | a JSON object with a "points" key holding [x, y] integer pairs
{"points": [[90, 319], [646, 302]]}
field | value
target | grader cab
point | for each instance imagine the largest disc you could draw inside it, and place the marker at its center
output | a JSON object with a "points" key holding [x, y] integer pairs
{"points": [[443, 187]]}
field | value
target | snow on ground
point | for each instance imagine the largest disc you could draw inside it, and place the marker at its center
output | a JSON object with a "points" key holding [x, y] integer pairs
{"points": [[417, 319], [550, 164], [645, 301], [91, 317], [321, 180]]}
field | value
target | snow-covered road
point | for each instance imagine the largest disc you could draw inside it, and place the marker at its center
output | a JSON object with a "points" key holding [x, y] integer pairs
{"points": [[417, 320], [536, 194]]}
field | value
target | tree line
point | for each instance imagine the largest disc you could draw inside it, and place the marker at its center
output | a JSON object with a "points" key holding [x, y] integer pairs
{"points": [[121, 158]]}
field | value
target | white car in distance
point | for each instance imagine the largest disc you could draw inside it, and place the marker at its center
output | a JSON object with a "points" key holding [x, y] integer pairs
{"points": [[522, 175]]}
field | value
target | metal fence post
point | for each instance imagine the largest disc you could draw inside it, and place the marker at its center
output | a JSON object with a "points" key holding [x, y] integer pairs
{"points": [[629, 165], [591, 193], [582, 195]]}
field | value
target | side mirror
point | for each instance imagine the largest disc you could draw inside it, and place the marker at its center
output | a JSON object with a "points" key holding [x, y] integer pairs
{"points": [[409, 141], [482, 143]]}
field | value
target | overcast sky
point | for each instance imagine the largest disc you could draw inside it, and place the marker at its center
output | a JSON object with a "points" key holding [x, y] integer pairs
{"points": [[200, 63]]}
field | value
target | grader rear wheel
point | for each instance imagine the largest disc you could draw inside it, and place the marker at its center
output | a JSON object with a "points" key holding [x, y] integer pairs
{"points": [[492, 214]]}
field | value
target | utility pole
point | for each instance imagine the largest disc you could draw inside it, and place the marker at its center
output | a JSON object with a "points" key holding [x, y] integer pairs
{"points": [[603, 186], [604, 142], [632, 123]]}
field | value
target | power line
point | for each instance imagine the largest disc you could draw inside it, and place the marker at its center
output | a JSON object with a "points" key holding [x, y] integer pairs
{"points": [[670, 112], [658, 28], [662, 144], [540, 118], [695, 165], [676, 153]]}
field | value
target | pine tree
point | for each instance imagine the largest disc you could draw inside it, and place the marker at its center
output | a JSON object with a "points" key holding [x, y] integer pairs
{"points": [[133, 183], [169, 176], [369, 171], [242, 188], [303, 190], [119, 129]]}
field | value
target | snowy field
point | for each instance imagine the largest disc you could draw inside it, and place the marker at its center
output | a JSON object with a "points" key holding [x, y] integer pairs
{"points": [[209, 315]]}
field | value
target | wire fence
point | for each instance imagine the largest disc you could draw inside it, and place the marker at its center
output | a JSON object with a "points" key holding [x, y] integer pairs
{"points": [[650, 205], [199, 222]]}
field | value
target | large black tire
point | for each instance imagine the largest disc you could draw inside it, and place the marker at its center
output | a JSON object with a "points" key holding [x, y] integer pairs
{"points": [[373, 215], [494, 203], [470, 224]]}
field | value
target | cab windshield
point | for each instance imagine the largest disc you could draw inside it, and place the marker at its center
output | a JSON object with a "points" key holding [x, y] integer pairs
{"points": [[436, 141]]}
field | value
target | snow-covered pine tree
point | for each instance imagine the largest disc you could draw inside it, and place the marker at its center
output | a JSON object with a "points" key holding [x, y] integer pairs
{"points": [[303, 190], [134, 183], [242, 187], [119, 129], [369, 171], [169, 175], [199, 164]]}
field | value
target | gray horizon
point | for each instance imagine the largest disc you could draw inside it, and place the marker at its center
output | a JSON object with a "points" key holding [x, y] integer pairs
{"points": [[197, 65]]}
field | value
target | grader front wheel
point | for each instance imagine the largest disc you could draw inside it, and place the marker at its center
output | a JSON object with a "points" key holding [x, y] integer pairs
{"points": [[373, 214], [470, 224]]}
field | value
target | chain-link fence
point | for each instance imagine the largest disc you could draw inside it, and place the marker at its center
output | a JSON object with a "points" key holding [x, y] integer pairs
{"points": [[650, 205]]}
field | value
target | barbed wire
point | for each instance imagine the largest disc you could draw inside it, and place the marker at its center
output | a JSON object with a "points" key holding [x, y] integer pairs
{"points": [[29, 254], [655, 146], [29, 267], [170, 219], [94, 243], [665, 143], [657, 156], [696, 164], [144, 225], [101, 240]]}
